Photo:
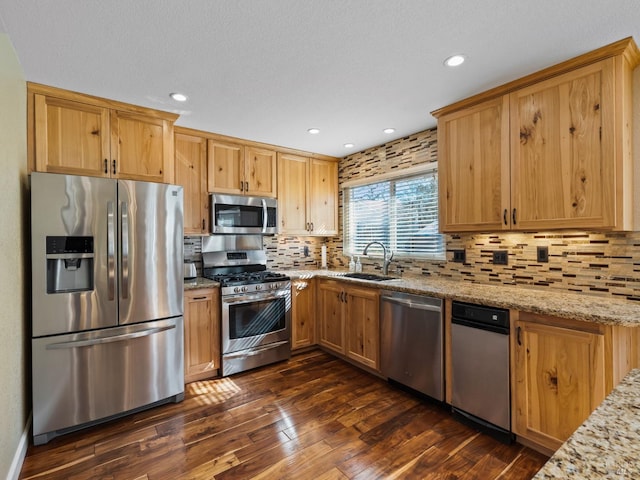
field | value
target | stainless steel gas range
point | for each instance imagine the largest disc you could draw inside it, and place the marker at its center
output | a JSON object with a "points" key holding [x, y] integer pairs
{"points": [[256, 309]]}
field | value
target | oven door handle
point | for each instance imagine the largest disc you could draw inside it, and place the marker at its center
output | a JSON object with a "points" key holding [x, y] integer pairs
{"points": [[254, 297], [255, 350]]}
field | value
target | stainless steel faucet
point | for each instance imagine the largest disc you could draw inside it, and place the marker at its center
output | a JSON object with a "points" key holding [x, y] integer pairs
{"points": [[385, 261]]}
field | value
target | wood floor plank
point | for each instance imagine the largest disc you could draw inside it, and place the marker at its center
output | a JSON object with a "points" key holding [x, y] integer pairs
{"points": [[312, 417]]}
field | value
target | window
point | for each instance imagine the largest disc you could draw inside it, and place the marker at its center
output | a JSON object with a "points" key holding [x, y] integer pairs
{"points": [[401, 212]]}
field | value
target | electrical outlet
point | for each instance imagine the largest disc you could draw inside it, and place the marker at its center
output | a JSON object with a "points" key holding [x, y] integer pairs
{"points": [[460, 256], [500, 257], [305, 250], [543, 255]]}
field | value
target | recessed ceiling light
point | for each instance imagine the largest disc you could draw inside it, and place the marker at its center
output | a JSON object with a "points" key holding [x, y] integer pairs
{"points": [[389, 130], [455, 60], [179, 97], [314, 131], [349, 145]]}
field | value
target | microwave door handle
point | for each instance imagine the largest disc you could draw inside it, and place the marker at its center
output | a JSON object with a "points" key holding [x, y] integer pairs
{"points": [[124, 218], [111, 251], [264, 215]]}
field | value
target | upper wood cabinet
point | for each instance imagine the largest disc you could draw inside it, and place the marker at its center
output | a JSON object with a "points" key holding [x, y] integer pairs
{"points": [[549, 151], [191, 173], [241, 169], [307, 196], [77, 134]]}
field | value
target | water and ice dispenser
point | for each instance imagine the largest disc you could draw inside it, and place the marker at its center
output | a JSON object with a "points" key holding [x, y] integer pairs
{"points": [[69, 264]]}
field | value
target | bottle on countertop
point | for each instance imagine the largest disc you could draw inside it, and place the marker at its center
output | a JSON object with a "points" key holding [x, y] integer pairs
{"points": [[352, 265], [358, 265]]}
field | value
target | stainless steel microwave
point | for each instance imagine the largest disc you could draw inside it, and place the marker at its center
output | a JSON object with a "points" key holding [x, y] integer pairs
{"points": [[235, 214]]}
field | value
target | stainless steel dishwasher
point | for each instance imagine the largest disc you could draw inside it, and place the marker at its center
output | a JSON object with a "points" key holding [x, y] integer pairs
{"points": [[480, 392], [411, 341]]}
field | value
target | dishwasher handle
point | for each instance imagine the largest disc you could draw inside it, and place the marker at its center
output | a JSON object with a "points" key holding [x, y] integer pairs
{"points": [[411, 304], [480, 325]]}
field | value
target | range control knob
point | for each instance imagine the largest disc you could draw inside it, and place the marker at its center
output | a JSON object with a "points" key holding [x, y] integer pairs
{"points": [[258, 287], [236, 290], [243, 289]]}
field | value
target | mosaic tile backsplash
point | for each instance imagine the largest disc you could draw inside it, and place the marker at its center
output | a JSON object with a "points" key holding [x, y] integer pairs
{"points": [[595, 263]]}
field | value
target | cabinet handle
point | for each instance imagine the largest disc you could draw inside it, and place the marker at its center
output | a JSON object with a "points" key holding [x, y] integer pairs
{"points": [[504, 216], [113, 165], [203, 224], [518, 330], [346, 297], [246, 186], [311, 226], [106, 166], [199, 298], [241, 186], [513, 216], [308, 229]]}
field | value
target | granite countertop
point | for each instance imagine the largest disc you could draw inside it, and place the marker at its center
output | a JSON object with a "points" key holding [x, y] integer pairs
{"points": [[606, 445], [200, 282], [575, 306]]}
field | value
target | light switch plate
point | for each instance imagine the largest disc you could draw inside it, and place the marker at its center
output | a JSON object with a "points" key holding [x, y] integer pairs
{"points": [[500, 257], [543, 254], [459, 256]]}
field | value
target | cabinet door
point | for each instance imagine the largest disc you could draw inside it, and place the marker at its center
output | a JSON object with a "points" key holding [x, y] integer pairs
{"points": [[302, 313], [323, 197], [563, 173], [190, 172], [142, 147], [201, 334], [225, 168], [260, 172], [362, 323], [560, 380], [473, 168], [71, 137], [330, 302], [292, 194]]}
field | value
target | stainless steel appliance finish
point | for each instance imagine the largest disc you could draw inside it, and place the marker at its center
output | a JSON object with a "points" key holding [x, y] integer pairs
{"points": [[256, 309], [236, 214], [411, 341], [105, 254], [480, 366]]}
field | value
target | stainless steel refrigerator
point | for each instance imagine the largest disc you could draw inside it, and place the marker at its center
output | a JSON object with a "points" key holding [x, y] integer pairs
{"points": [[107, 299]]}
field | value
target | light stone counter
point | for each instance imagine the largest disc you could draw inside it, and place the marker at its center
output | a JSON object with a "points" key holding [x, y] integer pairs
{"points": [[606, 445], [200, 282], [565, 305]]}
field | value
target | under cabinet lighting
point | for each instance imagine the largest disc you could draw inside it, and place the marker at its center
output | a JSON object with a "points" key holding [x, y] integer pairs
{"points": [[179, 97], [455, 60], [314, 131]]}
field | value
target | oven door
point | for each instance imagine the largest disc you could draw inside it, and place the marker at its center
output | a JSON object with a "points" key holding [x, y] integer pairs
{"points": [[256, 319]]}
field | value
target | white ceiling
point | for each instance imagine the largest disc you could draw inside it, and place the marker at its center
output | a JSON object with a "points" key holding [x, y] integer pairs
{"points": [[267, 70]]}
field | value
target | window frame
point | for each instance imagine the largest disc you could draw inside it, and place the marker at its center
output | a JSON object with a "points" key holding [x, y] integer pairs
{"points": [[394, 177]]}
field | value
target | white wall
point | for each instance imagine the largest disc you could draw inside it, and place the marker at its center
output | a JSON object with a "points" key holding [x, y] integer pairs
{"points": [[14, 243]]}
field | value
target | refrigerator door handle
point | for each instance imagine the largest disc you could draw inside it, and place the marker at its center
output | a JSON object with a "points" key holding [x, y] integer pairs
{"points": [[111, 339], [124, 217], [111, 251]]}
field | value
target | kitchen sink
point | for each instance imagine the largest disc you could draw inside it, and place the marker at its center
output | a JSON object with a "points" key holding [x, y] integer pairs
{"points": [[369, 276]]}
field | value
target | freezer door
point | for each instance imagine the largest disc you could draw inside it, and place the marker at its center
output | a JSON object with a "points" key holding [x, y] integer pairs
{"points": [[87, 377], [151, 284], [73, 291]]}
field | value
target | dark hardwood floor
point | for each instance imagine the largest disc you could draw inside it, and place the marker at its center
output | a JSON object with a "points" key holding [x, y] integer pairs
{"points": [[314, 417]]}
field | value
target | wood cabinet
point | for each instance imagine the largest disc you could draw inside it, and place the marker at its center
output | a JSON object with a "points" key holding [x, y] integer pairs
{"points": [[307, 195], [77, 134], [191, 173], [549, 151], [303, 313], [201, 334], [241, 169], [562, 370], [350, 321]]}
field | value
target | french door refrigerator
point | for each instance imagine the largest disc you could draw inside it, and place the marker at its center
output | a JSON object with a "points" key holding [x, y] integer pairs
{"points": [[107, 299]]}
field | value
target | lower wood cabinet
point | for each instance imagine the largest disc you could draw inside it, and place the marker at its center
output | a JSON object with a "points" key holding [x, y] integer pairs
{"points": [[303, 312], [349, 319], [562, 371], [201, 334]]}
